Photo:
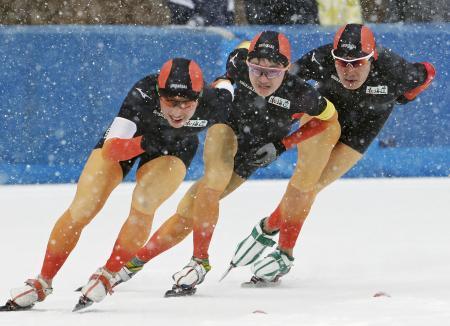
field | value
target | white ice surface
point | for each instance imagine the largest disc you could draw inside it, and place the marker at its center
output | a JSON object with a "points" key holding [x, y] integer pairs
{"points": [[362, 237]]}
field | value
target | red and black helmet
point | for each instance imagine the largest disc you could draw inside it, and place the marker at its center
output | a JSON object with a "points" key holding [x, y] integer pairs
{"points": [[272, 46], [180, 77], [354, 41]]}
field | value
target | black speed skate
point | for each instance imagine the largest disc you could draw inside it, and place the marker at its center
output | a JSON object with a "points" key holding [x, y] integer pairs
{"points": [[12, 306], [180, 291], [256, 282], [83, 302]]}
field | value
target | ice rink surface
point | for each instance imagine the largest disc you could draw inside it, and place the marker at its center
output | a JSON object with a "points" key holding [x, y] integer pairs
{"points": [[362, 237]]}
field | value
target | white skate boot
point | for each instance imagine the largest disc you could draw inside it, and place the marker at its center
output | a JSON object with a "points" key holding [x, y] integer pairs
{"points": [[268, 271], [251, 248], [24, 298], [96, 289], [192, 274]]}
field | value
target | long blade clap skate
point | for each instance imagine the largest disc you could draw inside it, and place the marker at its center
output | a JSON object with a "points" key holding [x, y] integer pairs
{"points": [[180, 291], [268, 271], [24, 298], [256, 282], [83, 302], [122, 276], [12, 306], [227, 271], [249, 249], [96, 289], [189, 276]]}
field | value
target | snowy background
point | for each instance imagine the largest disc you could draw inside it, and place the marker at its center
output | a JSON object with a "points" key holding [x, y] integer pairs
{"points": [[363, 237], [63, 85]]}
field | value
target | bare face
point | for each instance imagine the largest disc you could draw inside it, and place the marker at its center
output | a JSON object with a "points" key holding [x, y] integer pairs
{"points": [[352, 72], [353, 77], [177, 110], [265, 75]]}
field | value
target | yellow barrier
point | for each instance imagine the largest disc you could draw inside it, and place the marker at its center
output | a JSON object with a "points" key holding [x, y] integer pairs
{"points": [[339, 12]]}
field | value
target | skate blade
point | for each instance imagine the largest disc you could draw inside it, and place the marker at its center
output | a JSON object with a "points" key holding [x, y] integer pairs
{"points": [[12, 306], [117, 283], [227, 272], [260, 284], [178, 291], [83, 303]]}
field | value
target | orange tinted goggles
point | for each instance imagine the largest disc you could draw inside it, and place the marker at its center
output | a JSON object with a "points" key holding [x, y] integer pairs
{"points": [[184, 104]]}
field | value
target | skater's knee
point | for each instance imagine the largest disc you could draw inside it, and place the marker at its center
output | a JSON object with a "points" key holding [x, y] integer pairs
{"points": [[70, 222], [182, 221], [145, 201], [88, 202], [303, 184], [296, 203], [83, 213], [217, 179]]}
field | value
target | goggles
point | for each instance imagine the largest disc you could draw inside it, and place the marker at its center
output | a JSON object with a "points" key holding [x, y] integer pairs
{"points": [[355, 63], [172, 103], [270, 73]]}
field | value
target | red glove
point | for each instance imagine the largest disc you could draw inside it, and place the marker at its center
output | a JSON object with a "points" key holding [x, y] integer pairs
{"points": [[118, 149], [431, 72]]}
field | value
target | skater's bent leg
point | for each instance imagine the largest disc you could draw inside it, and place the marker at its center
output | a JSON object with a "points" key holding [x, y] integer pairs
{"points": [[272, 223], [173, 231], [235, 182], [156, 181], [98, 179], [179, 225], [220, 149], [342, 159], [313, 155]]}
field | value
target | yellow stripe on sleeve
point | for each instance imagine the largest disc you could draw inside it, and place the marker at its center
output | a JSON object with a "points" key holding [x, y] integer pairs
{"points": [[243, 45], [328, 112]]}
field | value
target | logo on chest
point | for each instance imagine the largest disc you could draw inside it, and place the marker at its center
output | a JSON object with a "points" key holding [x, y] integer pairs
{"points": [[190, 123], [158, 113], [377, 90], [336, 78], [196, 123], [243, 83], [349, 46], [278, 101]]}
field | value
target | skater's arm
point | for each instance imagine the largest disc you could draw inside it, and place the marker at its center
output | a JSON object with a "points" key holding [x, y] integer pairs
{"points": [[411, 94]]}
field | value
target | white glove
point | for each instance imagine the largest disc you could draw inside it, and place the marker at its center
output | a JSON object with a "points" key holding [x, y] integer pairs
{"points": [[267, 154]]}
